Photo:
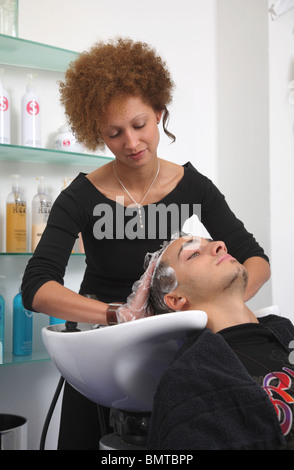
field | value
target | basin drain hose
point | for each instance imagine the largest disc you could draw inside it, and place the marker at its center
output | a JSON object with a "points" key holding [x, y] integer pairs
{"points": [[69, 327], [50, 413], [51, 410]]}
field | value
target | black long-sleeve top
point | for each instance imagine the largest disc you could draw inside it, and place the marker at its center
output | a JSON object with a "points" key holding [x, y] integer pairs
{"points": [[115, 245]]}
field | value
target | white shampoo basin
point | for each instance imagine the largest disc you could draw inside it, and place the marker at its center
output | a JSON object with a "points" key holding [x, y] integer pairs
{"points": [[120, 366]]}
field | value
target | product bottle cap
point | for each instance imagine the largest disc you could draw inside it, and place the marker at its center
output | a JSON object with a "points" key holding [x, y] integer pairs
{"points": [[15, 184], [2, 277], [30, 81], [65, 182], [41, 185], [64, 128], [2, 71], [20, 276]]}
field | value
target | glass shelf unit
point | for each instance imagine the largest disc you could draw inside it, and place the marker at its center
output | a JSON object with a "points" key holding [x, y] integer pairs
{"points": [[13, 269], [36, 356], [23, 53], [17, 153]]}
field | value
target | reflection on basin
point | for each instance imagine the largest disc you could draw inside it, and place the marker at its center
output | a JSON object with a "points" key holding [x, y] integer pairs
{"points": [[120, 366]]}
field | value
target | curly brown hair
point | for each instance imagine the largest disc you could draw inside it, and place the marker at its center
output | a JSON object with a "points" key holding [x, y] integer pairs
{"points": [[118, 68]]}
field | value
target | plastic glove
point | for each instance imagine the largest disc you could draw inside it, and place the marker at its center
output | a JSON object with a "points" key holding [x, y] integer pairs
{"points": [[136, 305]]}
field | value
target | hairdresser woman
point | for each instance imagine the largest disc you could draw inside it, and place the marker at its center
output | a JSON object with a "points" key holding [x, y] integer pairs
{"points": [[117, 95]]}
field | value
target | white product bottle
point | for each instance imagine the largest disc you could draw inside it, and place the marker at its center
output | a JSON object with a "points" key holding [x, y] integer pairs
{"points": [[31, 116], [41, 206], [4, 113]]}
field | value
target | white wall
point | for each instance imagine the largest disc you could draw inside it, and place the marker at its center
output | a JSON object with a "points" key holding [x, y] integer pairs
{"points": [[281, 67], [243, 118], [185, 34], [256, 125]]}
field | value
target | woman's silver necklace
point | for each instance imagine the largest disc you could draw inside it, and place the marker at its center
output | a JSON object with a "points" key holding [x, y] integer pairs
{"points": [[137, 204]]}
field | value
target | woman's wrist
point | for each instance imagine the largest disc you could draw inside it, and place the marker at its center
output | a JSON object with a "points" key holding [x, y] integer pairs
{"points": [[111, 313]]}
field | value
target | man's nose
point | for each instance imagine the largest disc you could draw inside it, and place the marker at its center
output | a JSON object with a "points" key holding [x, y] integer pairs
{"points": [[218, 247]]}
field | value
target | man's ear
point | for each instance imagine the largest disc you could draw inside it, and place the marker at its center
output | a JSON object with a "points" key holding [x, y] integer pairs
{"points": [[175, 302]]}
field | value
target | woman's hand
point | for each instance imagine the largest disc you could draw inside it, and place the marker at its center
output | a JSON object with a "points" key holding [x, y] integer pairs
{"points": [[136, 305]]}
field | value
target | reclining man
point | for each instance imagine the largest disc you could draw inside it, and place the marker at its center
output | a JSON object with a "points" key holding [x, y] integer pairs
{"points": [[231, 384]]}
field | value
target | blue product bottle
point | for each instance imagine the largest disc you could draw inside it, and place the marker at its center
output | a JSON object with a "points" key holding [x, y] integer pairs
{"points": [[22, 328], [55, 321], [2, 327]]}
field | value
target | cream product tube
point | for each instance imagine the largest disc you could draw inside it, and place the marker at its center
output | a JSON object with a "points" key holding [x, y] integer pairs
{"points": [[16, 225], [4, 113], [66, 141], [31, 115], [41, 207]]}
